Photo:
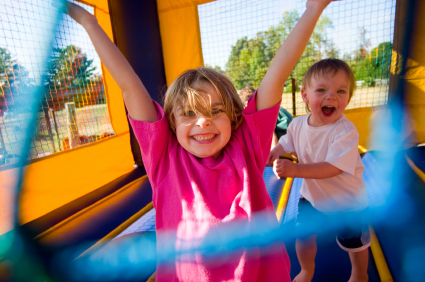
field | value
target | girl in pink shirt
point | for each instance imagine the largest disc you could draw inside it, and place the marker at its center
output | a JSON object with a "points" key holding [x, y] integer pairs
{"points": [[205, 154]]}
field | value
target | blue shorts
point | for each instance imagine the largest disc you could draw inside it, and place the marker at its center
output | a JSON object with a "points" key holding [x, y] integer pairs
{"points": [[351, 228]]}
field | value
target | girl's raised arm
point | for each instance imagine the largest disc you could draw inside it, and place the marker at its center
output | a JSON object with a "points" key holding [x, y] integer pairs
{"points": [[271, 87], [137, 100]]}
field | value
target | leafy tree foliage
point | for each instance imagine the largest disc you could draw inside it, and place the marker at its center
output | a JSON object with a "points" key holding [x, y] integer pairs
{"points": [[74, 76], [380, 57], [249, 59], [369, 66], [69, 67], [14, 80], [12, 74], [69, 73], [216, 68]]}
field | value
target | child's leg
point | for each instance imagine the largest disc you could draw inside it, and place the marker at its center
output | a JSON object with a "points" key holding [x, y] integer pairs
{"points": [[306, 253], [359, 263], [354, 238]]}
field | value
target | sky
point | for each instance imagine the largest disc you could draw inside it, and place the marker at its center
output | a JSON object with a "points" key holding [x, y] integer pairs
{"points": [[25, 30], [223, 22]]}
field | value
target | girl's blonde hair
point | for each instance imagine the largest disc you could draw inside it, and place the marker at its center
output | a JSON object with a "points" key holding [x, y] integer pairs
{"points": [[182, 95], [328, 67]]}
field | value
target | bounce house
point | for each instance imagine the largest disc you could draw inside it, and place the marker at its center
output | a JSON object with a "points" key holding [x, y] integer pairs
{"points": [[71, 172]]}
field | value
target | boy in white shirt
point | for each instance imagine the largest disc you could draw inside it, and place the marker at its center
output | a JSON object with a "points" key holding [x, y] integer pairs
{"points": [[327, 147]]}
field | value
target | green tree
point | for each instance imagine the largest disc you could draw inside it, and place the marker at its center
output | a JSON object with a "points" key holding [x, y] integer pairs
{"points": [[249, 59], [69, 67], [14, 81], [11, 72], [363, 70], [248, 62], [71, 76], [318, 48], [216, 68], [380, 58], [369, 66]]}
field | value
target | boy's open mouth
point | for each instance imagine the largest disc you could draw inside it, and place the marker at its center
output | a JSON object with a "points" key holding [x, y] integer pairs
{"points": [[328, 110]]}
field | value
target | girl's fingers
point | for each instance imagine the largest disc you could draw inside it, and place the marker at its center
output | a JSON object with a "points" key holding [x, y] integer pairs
{"points": [[58, 4]]}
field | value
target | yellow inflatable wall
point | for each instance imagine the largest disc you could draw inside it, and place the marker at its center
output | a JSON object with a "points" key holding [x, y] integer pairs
{"points": [[415, 75], [180, 35]]}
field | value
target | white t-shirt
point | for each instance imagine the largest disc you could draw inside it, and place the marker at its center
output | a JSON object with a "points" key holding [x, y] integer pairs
{"points": [[337, 144]]}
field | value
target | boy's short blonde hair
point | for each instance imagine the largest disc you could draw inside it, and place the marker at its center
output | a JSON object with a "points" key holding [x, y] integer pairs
{"points": [[182, 95], [246, 93], [328, 67]]}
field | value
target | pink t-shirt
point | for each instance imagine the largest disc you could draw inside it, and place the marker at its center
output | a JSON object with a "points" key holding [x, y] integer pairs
{"points": [[193, 195]]}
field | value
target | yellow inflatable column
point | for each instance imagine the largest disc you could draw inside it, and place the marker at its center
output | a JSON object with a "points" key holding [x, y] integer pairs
{"points": [[180, 35], [415, 75]]}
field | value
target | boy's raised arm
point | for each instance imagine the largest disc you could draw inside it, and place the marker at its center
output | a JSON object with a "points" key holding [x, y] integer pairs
{"points": [[271, 87], [137, 100]]}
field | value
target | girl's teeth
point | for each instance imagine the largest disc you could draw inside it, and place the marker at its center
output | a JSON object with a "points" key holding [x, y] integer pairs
{"points": [[203, 137]]}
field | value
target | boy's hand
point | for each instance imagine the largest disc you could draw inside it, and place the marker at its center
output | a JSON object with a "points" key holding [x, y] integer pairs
{"points": [[274, 170], [274, 155], [285, 168]]}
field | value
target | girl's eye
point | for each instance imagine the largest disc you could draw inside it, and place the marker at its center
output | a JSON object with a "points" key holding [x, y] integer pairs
{"points": [[216, 111], [320, 90], [341, 91], [190, 114]]}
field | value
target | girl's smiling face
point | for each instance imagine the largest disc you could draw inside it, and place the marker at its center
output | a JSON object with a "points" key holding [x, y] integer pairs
{"points": [[204, 136], [327, 97]]}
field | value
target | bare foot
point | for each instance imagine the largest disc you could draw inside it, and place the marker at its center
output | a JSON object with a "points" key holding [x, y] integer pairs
{"points": [[304, 276]]}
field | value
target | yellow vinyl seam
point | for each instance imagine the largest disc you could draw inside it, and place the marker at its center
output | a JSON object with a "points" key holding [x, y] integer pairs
{"points": [[117, 230], [417, 170], [71, 218], [378, 256]]}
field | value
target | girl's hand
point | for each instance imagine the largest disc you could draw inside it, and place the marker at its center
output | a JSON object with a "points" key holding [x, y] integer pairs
{"points": [[77, 13], [285, 168], [60, 5], [321, 4]]}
